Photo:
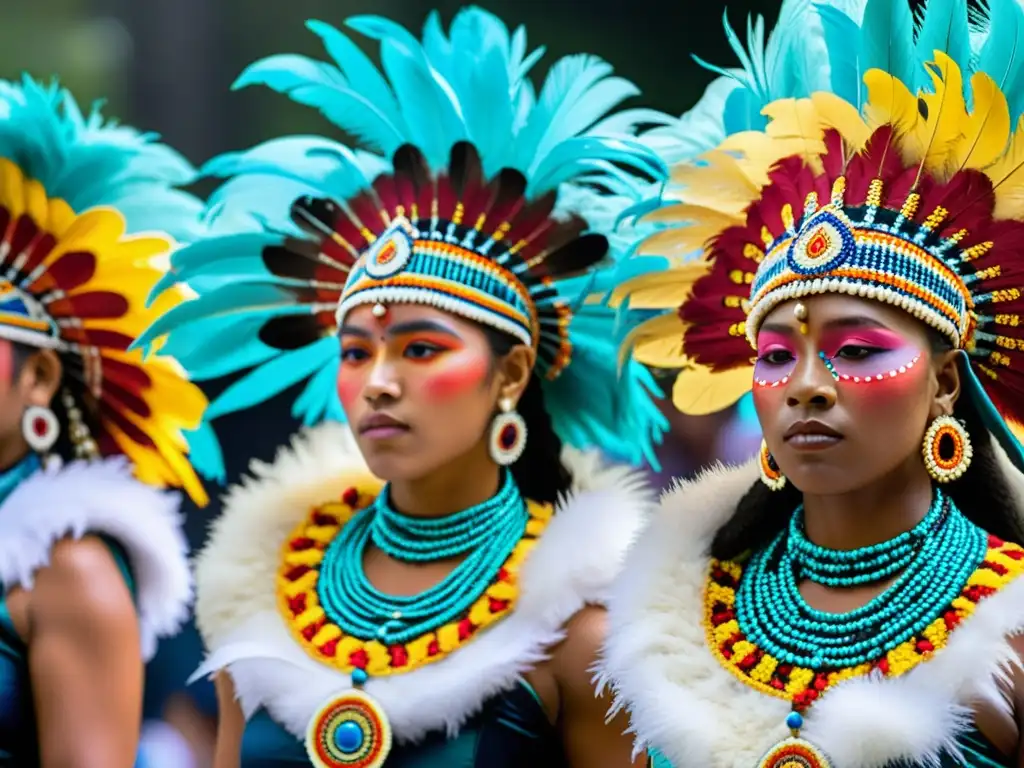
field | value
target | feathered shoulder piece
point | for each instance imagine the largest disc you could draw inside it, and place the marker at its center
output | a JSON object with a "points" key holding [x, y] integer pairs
{"points": [[900, 182], [88, 211], [469, 192]]}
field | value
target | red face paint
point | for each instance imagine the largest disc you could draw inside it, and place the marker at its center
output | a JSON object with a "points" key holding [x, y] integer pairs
{"points": [[6, 362], [776, 359]]}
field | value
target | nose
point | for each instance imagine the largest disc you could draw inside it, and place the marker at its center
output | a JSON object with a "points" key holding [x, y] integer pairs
{"points": [[811, 385], [383, 382]]}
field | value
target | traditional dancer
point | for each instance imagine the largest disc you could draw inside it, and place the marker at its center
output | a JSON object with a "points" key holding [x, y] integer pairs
{"points": [[851, 597], [424, 589], [92, 559]]}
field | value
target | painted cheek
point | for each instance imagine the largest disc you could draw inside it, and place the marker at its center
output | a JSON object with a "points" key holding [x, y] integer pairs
{"points": [[881, 389], [6, 362], [453, 375], [350, 384]]}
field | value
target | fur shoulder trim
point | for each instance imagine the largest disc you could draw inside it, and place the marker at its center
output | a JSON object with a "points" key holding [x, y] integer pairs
{"points": [[573, 564], [102, 497], [684, 704]]}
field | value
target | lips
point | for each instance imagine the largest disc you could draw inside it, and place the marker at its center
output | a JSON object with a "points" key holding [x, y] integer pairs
{"points": [[811, 435], [382, 425]]}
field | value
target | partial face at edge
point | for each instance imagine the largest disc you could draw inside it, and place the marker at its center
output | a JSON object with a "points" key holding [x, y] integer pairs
{"points": [[419, 387], [863, 374]]}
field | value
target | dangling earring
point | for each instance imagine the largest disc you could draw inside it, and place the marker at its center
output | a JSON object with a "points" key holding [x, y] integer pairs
{"points": [[771, 475], [508, 435], [40, 428], [946, 449], [78, 430]]}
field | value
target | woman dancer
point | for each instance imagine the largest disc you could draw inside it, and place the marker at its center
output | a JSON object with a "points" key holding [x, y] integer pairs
{"points": [[851, 597], [425, 588], [92, 558]]}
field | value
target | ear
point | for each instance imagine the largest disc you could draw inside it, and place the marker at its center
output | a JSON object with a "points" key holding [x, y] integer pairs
{"points": [[40, 378], [514, 371], [947, 378]]}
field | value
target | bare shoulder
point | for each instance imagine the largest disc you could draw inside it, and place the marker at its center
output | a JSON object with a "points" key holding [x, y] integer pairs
{"points": [[573, 658], [81, 585]]}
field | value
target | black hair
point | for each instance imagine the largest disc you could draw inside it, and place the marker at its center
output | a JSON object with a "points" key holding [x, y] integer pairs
{"points": [[63, 447], [539, 472], [982, 493]]}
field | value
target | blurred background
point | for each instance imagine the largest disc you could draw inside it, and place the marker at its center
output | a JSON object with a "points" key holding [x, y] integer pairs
{"points": [[167, 66]]}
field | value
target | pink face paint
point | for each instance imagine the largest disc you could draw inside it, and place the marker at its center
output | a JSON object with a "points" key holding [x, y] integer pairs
{"points": [[776, 359], [6, 362], [871, 356]]}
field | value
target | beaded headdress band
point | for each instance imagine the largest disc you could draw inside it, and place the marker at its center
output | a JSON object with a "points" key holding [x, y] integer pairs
{"points": [[475, 197], [74, 276], [911, 200]]}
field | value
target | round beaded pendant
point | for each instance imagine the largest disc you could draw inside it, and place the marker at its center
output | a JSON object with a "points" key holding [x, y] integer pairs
{"points": [[794, 752], [824, 242], [349, 731]]}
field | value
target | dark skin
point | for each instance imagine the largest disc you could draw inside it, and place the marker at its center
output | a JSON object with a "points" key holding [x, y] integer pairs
{"points": [[433, 375], [78, 620], [865, 481]]}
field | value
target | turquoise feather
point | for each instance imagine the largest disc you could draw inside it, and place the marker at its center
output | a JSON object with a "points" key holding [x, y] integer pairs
{"points": [[1001, 55], [943, 27], [88, 160]]}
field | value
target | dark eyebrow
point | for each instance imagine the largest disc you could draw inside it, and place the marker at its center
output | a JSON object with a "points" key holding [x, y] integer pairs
{"points": [[785, 330], [855, 321], [413, 326], [417, 326], [351, 330]]}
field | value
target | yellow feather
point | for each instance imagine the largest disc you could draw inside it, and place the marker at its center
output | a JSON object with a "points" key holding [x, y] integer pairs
{"points": [[699, 391], [660, 290], [1007, 175], [717, 182], [696, 225], [835, 112], [795, 129], [757, 153], [36, 204], [947, 118], [890, 102], [59, 218], [12, 195], [987, 131], [657, 342]]}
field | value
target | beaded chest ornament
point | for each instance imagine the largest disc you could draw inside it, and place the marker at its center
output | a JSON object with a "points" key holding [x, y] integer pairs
{"points": [[343, 621]]}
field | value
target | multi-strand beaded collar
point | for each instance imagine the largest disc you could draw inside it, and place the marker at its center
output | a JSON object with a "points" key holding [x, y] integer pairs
{"points": [[761, 629], [340, 619]]}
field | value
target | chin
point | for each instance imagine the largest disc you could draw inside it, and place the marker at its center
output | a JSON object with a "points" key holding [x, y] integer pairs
{"points": [[823, 480]]}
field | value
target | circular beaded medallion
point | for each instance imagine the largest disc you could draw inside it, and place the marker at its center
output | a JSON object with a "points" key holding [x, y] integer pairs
{"points": [[825, 241], [794, 752], [349, 731], [390, 252]]}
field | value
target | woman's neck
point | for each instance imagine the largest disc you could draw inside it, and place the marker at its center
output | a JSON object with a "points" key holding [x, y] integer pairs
{"points": [[869, 515], [469, 480]]}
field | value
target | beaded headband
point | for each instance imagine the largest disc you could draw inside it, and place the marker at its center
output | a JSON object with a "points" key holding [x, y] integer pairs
{"points": [[875, 252], [407, 265], [75, 195]]}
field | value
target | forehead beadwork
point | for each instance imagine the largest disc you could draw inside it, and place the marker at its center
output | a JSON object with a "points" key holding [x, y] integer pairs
{"points": [[800, 312], [379, 310], [390, 253], [824, 242]]}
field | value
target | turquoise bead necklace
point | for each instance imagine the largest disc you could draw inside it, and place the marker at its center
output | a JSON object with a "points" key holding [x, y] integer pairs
{"points": [[16, 475], [936, 558], [488, 532]]}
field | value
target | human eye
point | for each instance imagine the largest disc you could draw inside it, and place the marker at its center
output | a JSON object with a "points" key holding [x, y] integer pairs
{"points": [[354, 354], [857, 352], [422, 350], [776, 356]]}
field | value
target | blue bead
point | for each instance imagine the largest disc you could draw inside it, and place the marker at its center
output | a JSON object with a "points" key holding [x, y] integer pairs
{"points": [[794, 721], [359, 676], [348, 737]]}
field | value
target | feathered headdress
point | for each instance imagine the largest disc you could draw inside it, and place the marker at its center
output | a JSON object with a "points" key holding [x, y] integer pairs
{"points": [[84, 208], [901, 182], [471, 194]]}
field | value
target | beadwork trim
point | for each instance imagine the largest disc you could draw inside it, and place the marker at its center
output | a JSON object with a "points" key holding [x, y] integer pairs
{"points": [[299, 604], [1003, 562]]}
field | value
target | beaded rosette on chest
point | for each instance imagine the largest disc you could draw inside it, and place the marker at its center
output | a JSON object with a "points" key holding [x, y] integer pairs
{"points": [[761, 629], [340, 620]]}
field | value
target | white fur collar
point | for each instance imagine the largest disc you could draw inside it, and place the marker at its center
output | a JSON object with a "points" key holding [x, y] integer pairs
{"points": [[102, 497], [685, 705], [572, 564]]}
